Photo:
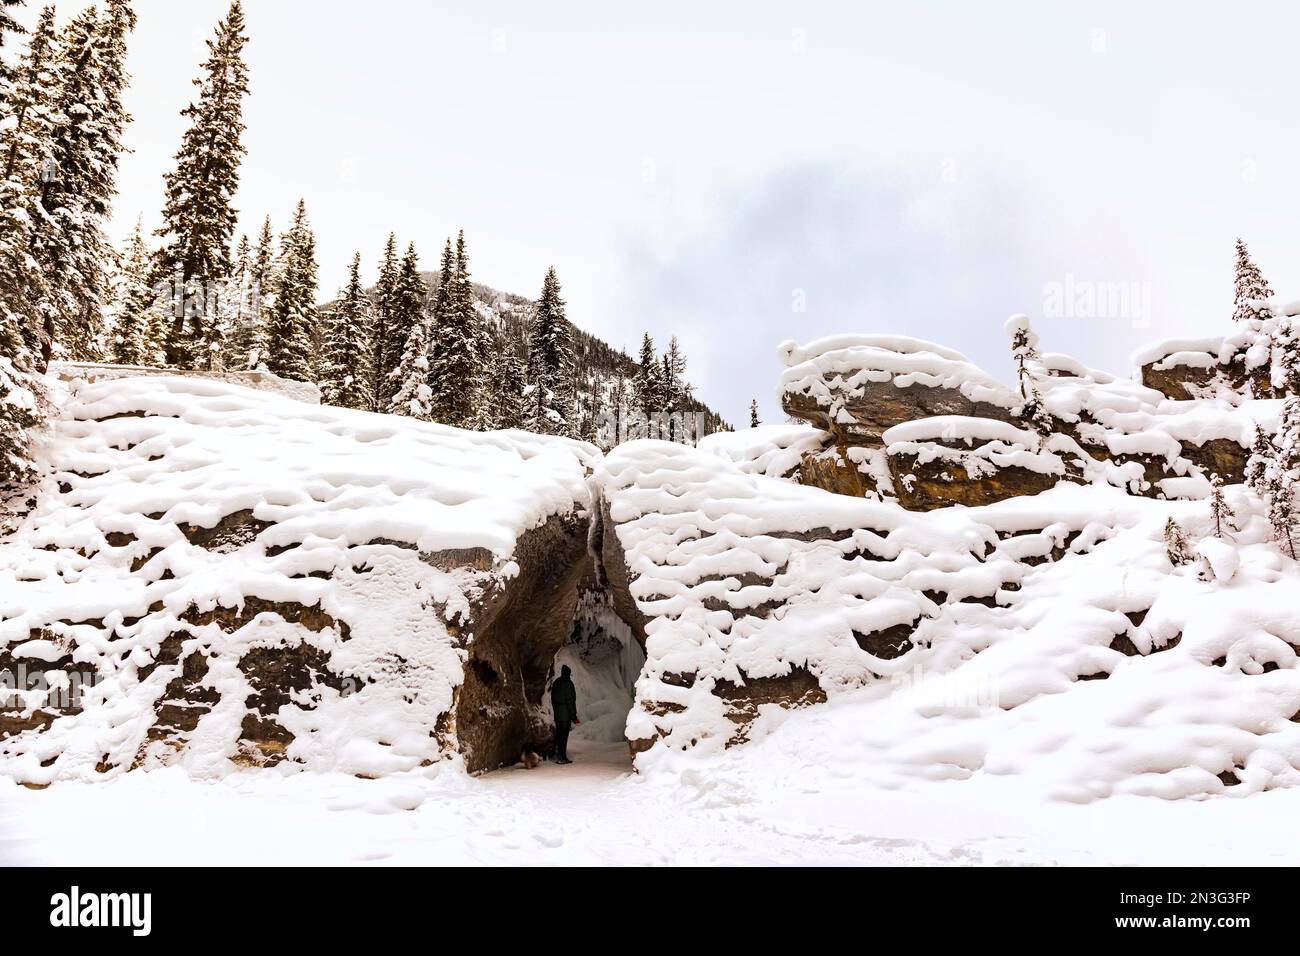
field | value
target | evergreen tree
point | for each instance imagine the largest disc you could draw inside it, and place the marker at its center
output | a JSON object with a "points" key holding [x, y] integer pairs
{"points": [[412, 394], [1024, 352], [266, 268], [386, 341], [239, 301], [1288, 436], [454, 353], [1176, 544], [1286, 357], [21, 414], [198, 219], [1221, 513], [407, 316], [346, 374], [79, 182], [1249, 286], [27, 309], [135, 299], [753, 413], [8, 25], [1281, 509], [550, 363], [647, 386], [1261, 455], [293, 316]]}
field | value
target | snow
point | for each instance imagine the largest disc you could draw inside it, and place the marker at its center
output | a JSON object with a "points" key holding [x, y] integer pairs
{"points": [[774, 450], [1221, 557], [744, 808]]}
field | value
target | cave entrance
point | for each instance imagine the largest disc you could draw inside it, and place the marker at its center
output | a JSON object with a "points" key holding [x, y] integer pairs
{"points": [[559, 609], [606, 660]]}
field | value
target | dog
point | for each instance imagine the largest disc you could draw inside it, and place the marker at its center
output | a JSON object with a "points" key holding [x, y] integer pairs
{"points": [[529, 759]]}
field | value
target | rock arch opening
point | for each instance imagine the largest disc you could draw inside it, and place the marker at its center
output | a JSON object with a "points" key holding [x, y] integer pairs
{"points": [[560, 608]]}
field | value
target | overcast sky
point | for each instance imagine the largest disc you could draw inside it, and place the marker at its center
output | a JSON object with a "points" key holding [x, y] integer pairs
{"points": [[741, 173]]}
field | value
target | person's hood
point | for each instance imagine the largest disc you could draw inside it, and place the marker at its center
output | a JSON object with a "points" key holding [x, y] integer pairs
{"points": [[565, 671]]}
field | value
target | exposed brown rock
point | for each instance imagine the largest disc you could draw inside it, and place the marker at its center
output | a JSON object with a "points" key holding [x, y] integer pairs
{"points": [[924, 486], [888, 643], [834, 472], [229, 534], [513, 639], [798, 688], [1186, 382]]}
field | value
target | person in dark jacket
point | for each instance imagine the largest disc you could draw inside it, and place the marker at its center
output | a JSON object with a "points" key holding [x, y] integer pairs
{"points": [[564, 704]]}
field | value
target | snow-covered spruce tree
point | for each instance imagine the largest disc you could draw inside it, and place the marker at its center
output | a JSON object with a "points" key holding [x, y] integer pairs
{"points": [[1262, 451], [454, 352], [78, 183], [506, 380], [1221, 513], [238, 304], [1280, 491], [647, 388], [1288, 437], [465, 304], [753, 413], [135, 298], [9, 27], [1176, 544], [1024, 352], [550, 363], [198, 219], [1249, 287], [407, 313], [26, 141], [293, 316], [345, 367], [1286, 357], [266, 269], [386, 343], [411, 376]]}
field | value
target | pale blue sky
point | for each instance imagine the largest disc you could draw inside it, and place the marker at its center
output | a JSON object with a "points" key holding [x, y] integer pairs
{"points": [[923, 168]]}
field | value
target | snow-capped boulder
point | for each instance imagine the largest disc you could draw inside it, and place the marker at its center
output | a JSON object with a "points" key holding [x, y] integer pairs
{"points": [[1218, 560], [215, 576], [869, 395], [1238, 365], [854, 387]]}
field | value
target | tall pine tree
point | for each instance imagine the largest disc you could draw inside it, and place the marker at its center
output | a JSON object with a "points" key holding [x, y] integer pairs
{"points": [[346, 375], [407, 318], [26, 138], [1248, 286], [198, 219], [135, 298], [454, 353], [386, 343], [550, 364], [79, 184], [293, 315]]}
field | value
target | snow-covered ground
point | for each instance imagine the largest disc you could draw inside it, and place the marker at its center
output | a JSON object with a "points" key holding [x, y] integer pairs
{"points": [[729, 811]]}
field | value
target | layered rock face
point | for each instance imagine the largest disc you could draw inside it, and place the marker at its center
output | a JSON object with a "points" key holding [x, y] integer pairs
{"points": [[218, 577], [1245, 363], [911, 421], [1043, 636]]}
